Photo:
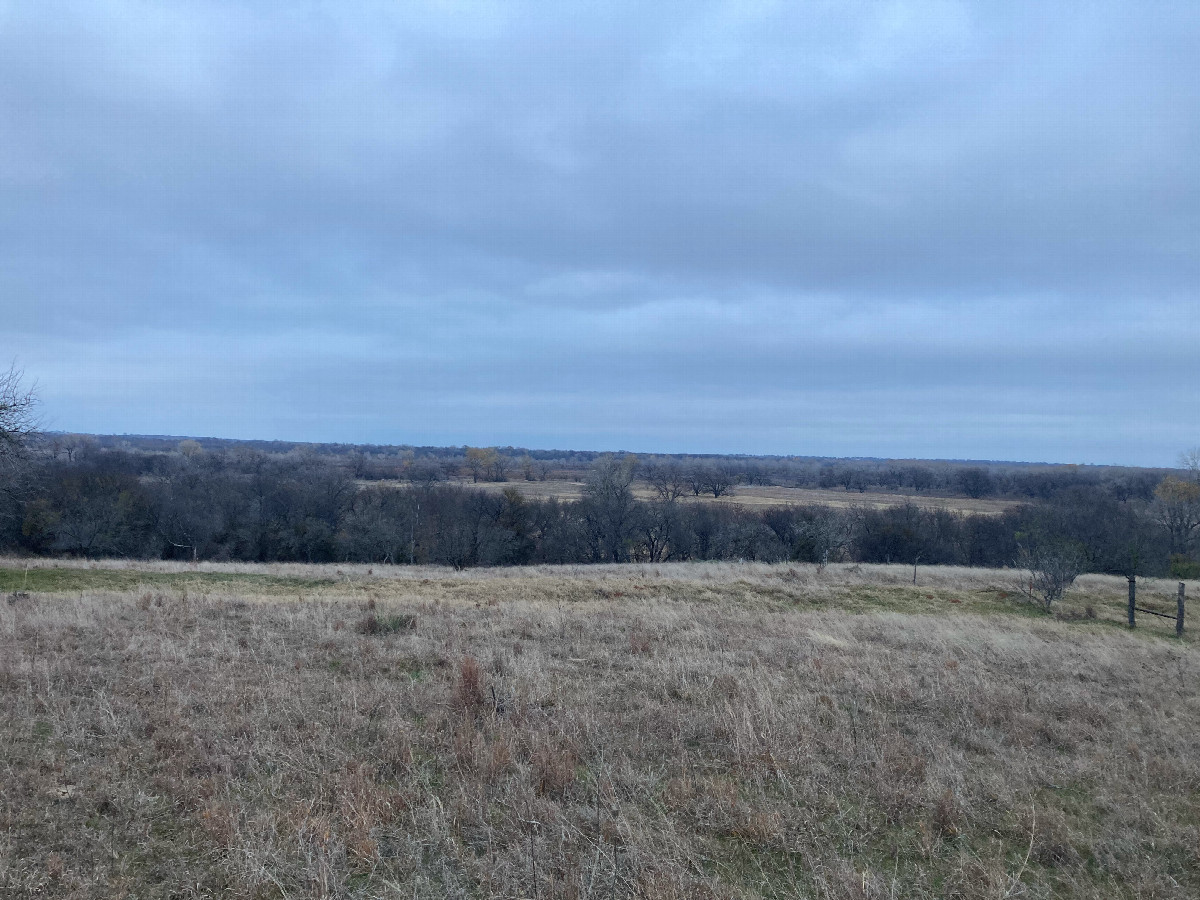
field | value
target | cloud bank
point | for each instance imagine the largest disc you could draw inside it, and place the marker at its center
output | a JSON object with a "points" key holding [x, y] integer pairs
{"points": [[887, 229]]}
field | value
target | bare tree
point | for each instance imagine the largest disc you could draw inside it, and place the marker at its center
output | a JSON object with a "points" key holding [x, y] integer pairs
{"points": [[975, 482], [498, 466], [1190, 460], [609, 508], [426, 471], [526, 464], [358, 464], [1177, 509], [668, 479], [655, 522], [719, 479], [1052, 570], [479, 461], [18, 417], [73, 444], [920, 477]]}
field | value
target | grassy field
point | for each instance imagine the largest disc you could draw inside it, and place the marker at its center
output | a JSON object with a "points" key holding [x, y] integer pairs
{"points": [[751, 495], [670, 731]]}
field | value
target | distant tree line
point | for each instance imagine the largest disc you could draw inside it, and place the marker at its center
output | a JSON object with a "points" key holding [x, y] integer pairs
{"points": [[699, 474], [226, 501]]}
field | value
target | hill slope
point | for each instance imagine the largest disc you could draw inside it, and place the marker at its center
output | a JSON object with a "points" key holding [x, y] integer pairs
{"points": [[671, 731]]}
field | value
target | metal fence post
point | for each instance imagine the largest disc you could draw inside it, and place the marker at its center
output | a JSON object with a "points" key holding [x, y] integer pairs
{"points": [[1132, 599], [1179, 611]]}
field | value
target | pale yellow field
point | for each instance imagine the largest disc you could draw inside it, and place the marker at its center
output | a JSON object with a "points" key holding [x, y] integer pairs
{"points": [[751, 496]]}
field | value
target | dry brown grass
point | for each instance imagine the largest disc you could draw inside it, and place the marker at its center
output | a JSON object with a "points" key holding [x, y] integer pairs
{"points": [[752, 496], [847, 586], [655, 731]]}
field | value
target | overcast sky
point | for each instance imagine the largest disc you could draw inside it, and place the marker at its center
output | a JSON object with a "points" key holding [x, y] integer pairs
{"points": [[875, 229]]}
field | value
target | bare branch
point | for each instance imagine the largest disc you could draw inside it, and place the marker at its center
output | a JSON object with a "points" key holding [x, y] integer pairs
{"points": [[19, 421]]}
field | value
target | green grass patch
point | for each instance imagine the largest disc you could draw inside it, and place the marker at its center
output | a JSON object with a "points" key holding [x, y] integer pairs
{"points": [[67, 580]]}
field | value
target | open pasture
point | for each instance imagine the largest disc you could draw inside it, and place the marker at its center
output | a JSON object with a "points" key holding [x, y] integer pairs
{"points": [[688, 730], [758, 496]]}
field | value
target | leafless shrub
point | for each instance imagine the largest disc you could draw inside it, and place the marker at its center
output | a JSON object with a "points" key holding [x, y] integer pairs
{"points": [[1052, 570]]}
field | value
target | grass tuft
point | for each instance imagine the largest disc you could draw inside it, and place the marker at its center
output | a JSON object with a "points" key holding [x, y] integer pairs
{"points": [[373, 624]]}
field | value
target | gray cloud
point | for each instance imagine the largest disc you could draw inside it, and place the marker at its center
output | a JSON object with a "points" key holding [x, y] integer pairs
{"points": [[891, 229]]}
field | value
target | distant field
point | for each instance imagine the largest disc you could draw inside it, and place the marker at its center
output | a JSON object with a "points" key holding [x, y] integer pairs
{"points": [[754, 495], [660, 731]]}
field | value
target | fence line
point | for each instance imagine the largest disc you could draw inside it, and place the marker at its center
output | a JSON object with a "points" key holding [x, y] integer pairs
{"points": [[1134, 608]]}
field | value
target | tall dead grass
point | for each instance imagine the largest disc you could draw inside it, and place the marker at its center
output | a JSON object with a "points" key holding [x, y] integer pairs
{"points": [[563, 733]]}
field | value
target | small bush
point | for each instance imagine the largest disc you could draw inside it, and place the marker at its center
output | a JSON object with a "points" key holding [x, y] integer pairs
{"points": [[1185, 568], [1052, 570], [374, 624]]}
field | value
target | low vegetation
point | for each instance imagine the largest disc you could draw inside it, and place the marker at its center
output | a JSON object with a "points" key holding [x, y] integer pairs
{"points": [[684, 730], [197, 505], [151, 498]]}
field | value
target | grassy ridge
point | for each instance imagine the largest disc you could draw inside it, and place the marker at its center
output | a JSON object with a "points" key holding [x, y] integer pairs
{"points": [[851, 588]]}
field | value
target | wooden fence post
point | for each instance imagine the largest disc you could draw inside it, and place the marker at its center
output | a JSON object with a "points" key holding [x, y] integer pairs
{"points": [[1132, 599], [1179, 612]]}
